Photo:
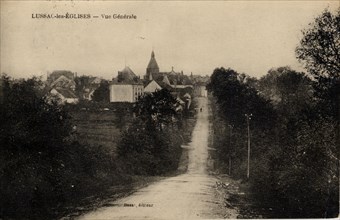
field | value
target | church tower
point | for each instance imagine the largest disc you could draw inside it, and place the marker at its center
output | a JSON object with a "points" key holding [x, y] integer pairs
{"points": [[152, 68]]}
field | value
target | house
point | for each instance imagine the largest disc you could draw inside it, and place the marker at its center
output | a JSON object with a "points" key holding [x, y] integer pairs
{"points": [[63, 82], [61, 79], [169, 80], [127, 87], [64, 95], [57, 73], [86, 86], [179, 84], [95, 80], [152, 86]]}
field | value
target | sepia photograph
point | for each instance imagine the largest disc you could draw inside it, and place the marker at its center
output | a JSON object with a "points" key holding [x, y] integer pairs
{"points": [[169, 109]]}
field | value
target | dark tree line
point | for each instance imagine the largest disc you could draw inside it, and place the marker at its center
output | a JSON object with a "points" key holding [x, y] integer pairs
{"points": [[294, 127], [43, 168]]}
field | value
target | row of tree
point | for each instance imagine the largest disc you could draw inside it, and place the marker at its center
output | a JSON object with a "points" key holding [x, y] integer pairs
{"points": [[294, 126]]}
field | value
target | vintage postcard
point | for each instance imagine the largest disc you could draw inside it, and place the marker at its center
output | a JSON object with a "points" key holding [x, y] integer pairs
{"points": [[169, 109]]}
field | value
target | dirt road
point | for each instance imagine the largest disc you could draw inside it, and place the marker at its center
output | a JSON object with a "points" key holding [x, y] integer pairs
{"points": [[192, 195]]}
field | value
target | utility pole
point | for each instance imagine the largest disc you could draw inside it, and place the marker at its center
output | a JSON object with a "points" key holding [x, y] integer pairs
{"points": [[248, 116], [230, 132]]}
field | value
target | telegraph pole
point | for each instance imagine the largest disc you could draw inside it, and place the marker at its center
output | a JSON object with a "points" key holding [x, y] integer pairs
{"points": [[230, 132], [248, 129]]}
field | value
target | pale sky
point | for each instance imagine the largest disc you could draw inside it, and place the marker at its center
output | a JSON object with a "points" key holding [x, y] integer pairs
{"points": [[248, 36]]}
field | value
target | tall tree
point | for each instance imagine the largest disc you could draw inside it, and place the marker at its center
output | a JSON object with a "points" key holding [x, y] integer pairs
{"points": [[282, 85], [319, 50], [320, 46]]}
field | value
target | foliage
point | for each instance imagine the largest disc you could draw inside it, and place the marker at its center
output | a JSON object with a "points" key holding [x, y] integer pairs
{"points": [[151, 145], [156, 109], [319, 47], [319, 50], [149, 153], [102, 93], [237, 98], [294, 161], [42, 167], [283, 84]]}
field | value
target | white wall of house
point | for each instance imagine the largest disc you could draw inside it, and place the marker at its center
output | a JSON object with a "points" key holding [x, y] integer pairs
{"points": [[152, 87], [121, 93], [125, 92]]}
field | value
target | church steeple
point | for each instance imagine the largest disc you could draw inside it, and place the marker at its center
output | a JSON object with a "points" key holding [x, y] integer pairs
{"points": [[152, 66]]}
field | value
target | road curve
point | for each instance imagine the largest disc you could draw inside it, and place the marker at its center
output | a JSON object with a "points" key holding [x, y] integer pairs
{"points": [[188, 196]]}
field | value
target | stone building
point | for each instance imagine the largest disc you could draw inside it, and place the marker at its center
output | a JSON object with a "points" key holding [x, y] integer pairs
{"points": [[126, 87]]}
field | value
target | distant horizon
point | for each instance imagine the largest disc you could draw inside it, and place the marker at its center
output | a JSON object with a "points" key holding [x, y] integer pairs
{"points": [[250, 37]]}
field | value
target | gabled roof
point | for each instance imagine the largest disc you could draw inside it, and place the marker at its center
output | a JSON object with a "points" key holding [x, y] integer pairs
{"points": [[57, 73], [127, 76], [66, 93], [152, 86], [67, 82], [160, 82]]}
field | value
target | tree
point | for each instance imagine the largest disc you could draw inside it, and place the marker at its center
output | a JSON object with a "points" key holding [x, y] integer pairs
{"points": [[319, 50], [282, 85], [237, 97], [102, 93], [33, 132], [156, 109], [320, 46], [149, 146], [24, 114]]}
